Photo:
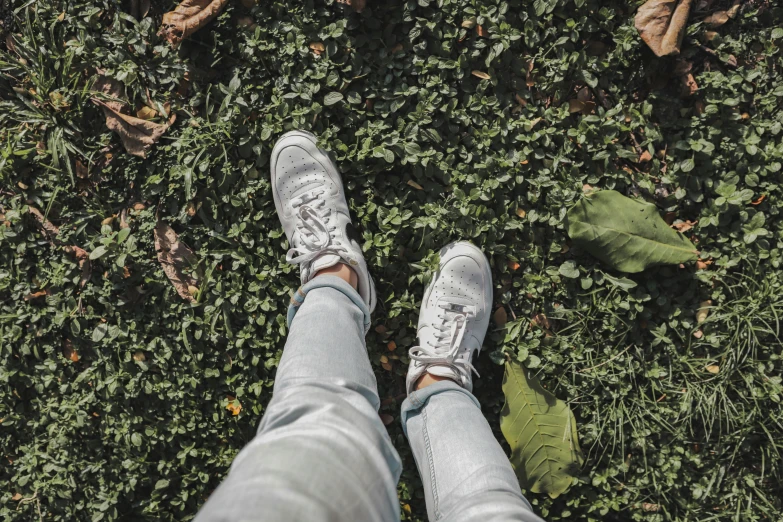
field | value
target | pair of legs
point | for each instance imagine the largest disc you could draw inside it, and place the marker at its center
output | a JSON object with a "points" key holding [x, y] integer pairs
{"points": [[322, 452]]}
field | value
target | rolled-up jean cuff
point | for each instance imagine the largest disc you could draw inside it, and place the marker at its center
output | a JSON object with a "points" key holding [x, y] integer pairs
{"points": [[418, 399], [327, 281]]}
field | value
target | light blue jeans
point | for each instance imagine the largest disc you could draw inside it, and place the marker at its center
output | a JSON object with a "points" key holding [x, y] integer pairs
{"points": [[322, 452]]}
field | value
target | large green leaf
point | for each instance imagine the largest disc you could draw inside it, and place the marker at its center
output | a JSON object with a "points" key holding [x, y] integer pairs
{"points": [[627, 234], [541, 431]]}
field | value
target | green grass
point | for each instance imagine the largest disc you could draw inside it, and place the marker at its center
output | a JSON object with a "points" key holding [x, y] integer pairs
{"points": [[137, 428]]}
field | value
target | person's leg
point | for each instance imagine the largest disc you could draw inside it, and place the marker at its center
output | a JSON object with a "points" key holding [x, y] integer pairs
{"points": [[321, 452], [465, 472]]}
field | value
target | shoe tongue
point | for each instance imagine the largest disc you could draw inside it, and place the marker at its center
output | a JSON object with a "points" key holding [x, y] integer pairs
{"points": [[325, 261]]}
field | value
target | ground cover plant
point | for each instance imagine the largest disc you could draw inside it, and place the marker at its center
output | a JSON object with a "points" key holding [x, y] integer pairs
{"points": [[130, 378]]}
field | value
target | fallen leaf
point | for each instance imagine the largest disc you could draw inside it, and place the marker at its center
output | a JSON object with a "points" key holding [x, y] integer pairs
{"points": [[469, 23], [500, 317], [139, 356], [481, 31], [50, 230], [384, 359], [415, 185], [646, 506], [386, 366], [645, 156], [82, 171], [138, 206], [386, 419], [719, 18], [702, 265], [513, 265], [689, 85], [698, 334], [234, 406], [521, 212], [480, 74], [381, 329], [391, 346], [662, 24], [17, 497], [529, 80], [108, 220], [541, 321], [69, 352], [188, 17], [582, 107], [35, 295], [703, 311], [317, 47], [358, 5], [684, 226], [177, 260], [137, 135], [712, 368], [759, 200], [146, 113], [83, 260]]}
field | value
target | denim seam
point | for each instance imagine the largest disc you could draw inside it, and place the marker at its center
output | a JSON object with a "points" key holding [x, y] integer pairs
{"points": [[431, 463]]}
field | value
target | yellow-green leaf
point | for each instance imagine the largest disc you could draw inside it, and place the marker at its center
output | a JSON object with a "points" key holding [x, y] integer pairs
{"points": [[541, 431]]}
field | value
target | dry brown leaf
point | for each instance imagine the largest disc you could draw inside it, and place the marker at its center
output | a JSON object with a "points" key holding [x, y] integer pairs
{"points": [[178, 261], [469, 23], [698, 334], [69, 352], [689, 85], [521, 212], [139, 356], [234, 406], [703, 311], [480, 74], [17, 497], [381, 329], [651, 507], [386, 366], [137, 135], [480, 31], [188, 17], [146, 113], [719, 18], [317, 47], [712, 368], [662, 24], [358, 5], [391, 346], [50, 230], [541, 321], [529, 80], [83, 259], [513, 265], [684, 226], [35, 295], [645, 156], [759, 200], [500, 317], [415, 185]]}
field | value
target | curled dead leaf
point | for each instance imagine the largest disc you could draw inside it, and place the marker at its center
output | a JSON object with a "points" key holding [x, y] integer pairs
{"points": [[146, 113], [480, 74], [137, 135], [719, 18], [689, 85], [391, 346], [234, 406], [480, 31], [759, 200], [69, 352], [49, 229], [662, 24], [188, 17], [684, 226], [35, 295], [83, 260], [317, 47], [541, 321], [712, 368], [357, 5], [178, 261], [521, 212], [703, 311], [500, 317], [415, 185], [513, 265], [645, 156]]}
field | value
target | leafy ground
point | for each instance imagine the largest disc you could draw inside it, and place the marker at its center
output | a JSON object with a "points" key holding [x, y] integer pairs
{"points": [[118, 397]]}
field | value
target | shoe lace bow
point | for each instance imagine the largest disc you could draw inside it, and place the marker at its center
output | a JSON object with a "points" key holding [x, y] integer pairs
{"points": [[316, 230], [445, 350]]}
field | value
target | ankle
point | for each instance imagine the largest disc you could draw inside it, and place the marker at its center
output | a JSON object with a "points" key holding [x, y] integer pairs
{"points": [[427, 379], [344, 272]]}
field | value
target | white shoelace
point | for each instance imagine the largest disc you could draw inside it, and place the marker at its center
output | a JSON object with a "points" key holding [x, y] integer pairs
{"points": [[448, 335], [316, 233]]}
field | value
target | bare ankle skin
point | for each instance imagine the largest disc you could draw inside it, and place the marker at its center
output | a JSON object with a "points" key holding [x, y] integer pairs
{"points": [[427, 379], [343, 271]]}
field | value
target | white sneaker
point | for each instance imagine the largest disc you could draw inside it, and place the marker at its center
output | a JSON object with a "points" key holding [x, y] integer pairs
{"points": [[454, 317], [310, 200]]}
